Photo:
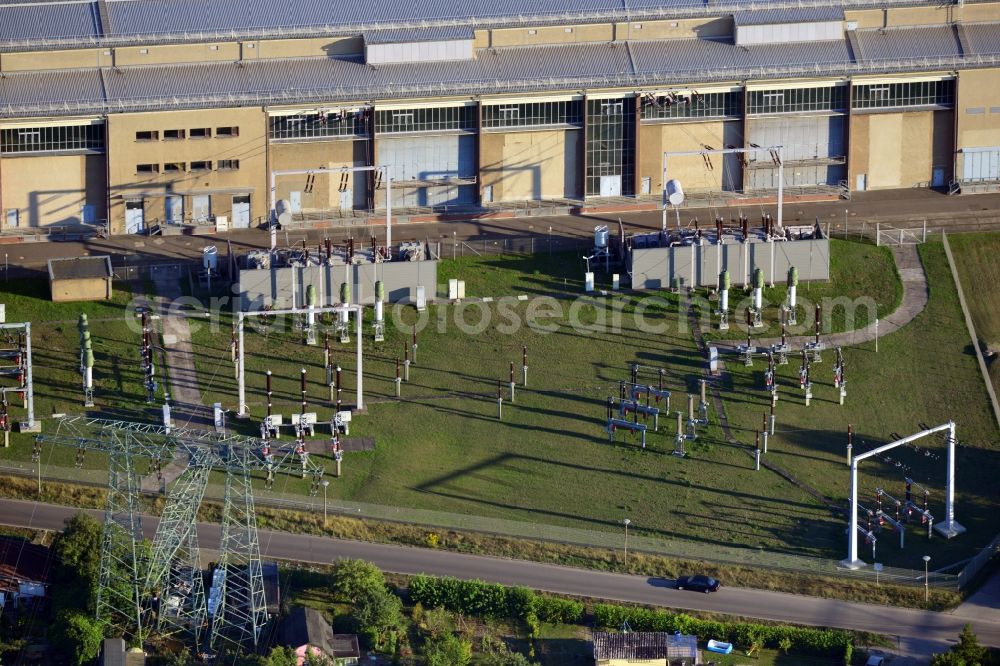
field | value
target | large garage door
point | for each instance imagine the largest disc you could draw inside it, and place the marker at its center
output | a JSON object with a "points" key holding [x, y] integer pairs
{"points": [[981, 164], [429, 158]]}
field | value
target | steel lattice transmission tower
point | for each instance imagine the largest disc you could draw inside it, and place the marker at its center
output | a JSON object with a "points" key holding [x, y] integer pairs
{"points": [[171, 585]]}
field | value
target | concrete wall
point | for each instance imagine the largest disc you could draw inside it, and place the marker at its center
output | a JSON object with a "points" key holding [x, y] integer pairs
{"points": [[901, 149], [656, 138], [325, 190], [84, 289], [978, 109], [280, 287], [536, 165], [655, 268], [52, 189], [126, 153]]}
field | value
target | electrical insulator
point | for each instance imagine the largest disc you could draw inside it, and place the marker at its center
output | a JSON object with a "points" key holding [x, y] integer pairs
{"points": [[909, 490]]}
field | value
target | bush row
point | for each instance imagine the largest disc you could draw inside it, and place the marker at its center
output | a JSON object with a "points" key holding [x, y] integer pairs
{"points": [[816, 641], [474, 597]]}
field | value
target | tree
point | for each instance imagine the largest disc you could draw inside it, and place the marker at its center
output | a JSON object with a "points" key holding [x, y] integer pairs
{"points": [[282, 656], [448, 650], [80, 635], [966, 652], [377, 610], [353, 577], [78, 553]]}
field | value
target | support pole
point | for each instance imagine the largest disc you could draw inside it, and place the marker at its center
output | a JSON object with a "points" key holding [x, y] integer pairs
{"points": [[949, 527], [524, 365], [499, 400], [852, 561], [399, 380], [756, 456], [241, 408], [512, 382]]}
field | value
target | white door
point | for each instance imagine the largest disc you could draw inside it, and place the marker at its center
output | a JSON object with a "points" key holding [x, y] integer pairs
{"points": [[174, 206], [488, 194], [646, 185], [295, 201], [201, 208], [134, 222], [241, 211], [937, 177], [346, 199], [611, 186], [12, 218], [861, 184]]}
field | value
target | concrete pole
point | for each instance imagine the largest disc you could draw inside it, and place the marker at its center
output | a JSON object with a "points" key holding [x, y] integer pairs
{"points": [[388, 209], [360, 392], [664, 184], [852, 561], [781, 185]]}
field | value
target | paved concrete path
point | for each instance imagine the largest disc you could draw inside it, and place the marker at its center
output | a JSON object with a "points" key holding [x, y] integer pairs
{"points": [[915, 294]]}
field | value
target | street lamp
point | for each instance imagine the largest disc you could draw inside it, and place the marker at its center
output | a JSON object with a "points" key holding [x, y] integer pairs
{"points": [[325, 483], [927, 559], [627, 522]]}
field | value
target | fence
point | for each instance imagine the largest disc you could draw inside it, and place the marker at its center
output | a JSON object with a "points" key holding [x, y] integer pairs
{"points": [[612, 541], [977, 563], [510, 245]]}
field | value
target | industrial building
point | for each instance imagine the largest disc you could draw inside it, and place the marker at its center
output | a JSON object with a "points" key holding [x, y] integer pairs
{"points": [[152, 114]]}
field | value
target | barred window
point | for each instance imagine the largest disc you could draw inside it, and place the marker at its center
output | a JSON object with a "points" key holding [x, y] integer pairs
{"points": [[50, 139]]}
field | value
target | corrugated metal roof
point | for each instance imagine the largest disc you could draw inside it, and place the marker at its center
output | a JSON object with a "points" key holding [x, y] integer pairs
{"points": [[984, 38], [686, 55], [792, 15], [418, 35], [37, 88], [644, 646], [907, 43], [148, 17], [26, 22], [799, 53]]}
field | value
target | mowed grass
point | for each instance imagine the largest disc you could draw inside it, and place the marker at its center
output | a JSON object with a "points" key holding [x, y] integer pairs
{"points": [[977, 258], [548, 461], [118, 382], [861, 275], [923, 373]]}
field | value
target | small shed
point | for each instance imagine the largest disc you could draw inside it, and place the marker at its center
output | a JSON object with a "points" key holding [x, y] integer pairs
{"points": [[80, 279], [648, 647], [306, 631]]}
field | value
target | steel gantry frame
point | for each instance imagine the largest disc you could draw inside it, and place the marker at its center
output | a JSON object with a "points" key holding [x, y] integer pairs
{"points": [[948, 528], [237, 613], [386, 169], [358, 311], [29, 386]]}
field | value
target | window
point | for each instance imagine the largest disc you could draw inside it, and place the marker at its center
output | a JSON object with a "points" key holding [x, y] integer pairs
{"points": [[569, 112], [203, 165], [692, 105], [610, 143], [173, 135], [227, 131], [147, 168], [348, 123], [173, 167], [797, 100], [228, 165], [147, 136], [201, 133], [50, 139], [903, 94], [445, 118]]}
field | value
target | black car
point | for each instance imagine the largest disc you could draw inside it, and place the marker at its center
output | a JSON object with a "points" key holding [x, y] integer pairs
{"points": [[698, 583]]}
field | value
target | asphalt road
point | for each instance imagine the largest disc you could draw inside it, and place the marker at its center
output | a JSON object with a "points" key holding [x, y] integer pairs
{"points": [[886, 206], [931, 631]]}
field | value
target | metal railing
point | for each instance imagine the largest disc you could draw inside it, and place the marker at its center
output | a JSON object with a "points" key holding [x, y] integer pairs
{"points": [[476, 86], [543, 18], [976, 564]]}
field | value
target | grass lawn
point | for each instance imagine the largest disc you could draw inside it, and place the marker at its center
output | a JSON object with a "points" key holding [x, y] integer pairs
{"points": [[859, 272], [549, 462], [923, 373], [979, 270]]}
